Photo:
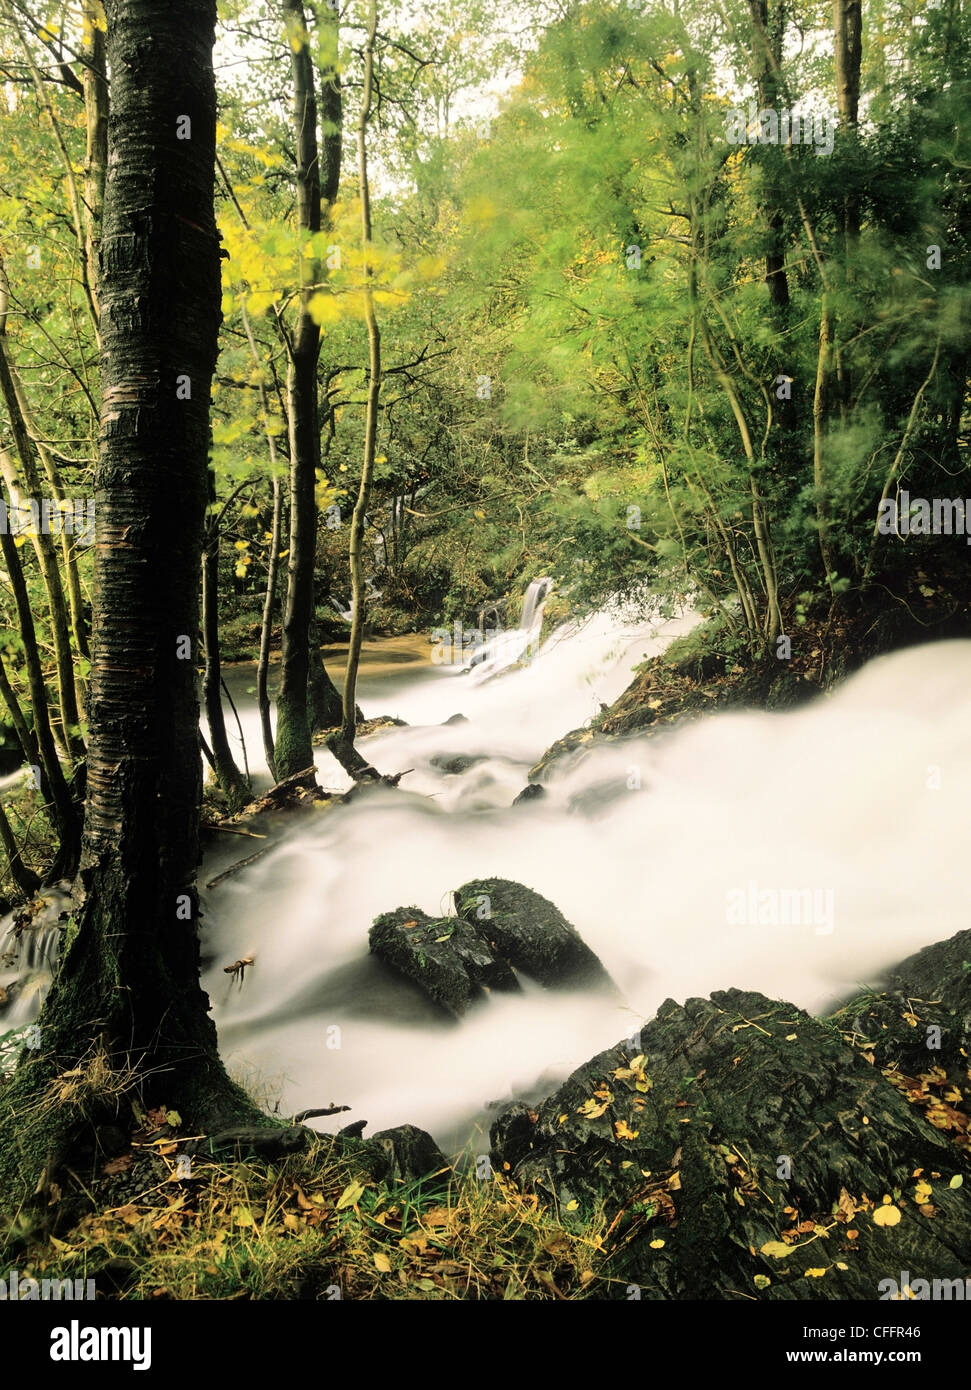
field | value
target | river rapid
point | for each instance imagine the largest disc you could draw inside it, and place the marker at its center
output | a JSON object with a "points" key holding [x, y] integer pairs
{"points": [[682, 859]]}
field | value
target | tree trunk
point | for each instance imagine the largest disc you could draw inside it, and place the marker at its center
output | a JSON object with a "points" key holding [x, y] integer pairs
{"points": [[65, 815], [770, 38], [294, 746], [25, 878], [127, 992], [820, 400], [316, 190], [230, 779], [848, 54], [46, 552], [95, 82], [44, 547], [326, 705], [373, 397], [266, 628]]}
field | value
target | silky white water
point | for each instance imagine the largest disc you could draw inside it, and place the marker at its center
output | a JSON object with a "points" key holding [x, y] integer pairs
{"points": [[859, 801]]}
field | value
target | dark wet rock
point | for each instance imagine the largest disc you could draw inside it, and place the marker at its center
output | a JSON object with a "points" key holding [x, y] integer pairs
{"points": [[444, 955], [941, 972], [578, 742], [353, 1130], [511, 1136], [918, 1030], [531, 792], [404, 1154], [529, 932], [732, 1124], [459, 762], [410, 1154]]}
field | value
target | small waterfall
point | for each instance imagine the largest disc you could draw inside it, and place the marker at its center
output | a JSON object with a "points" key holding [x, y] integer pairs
{"points": [[500, 650], [534, 599], [29, 951], [344, 608]]}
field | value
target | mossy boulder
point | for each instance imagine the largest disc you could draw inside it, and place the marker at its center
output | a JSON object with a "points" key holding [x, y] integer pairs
{"points": [[745, 1149], [527, 930], [444, 955]]}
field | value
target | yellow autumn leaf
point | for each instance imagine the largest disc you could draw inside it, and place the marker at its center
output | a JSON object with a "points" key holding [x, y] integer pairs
{"points": [[635, 1073], [382, 1263], [775, 1249], [590, 1110], [571, 1206], [761, 1281], [352, 1193], [623, 1131], [815, 1273], [956, 1181], [657, 1244], [887, 1216], [922, 1192]]}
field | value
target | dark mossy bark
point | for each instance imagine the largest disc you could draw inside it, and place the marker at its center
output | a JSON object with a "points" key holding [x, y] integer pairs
{"points": [[126, 1015]]}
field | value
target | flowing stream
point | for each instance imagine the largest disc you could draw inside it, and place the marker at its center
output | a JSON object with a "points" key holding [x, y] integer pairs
{"points": [[675, 857], [854, 804]]}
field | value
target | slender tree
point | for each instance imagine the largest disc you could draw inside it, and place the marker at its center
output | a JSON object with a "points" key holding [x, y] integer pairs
{"points": [[348, 724], [235, 786], [294, 746]]}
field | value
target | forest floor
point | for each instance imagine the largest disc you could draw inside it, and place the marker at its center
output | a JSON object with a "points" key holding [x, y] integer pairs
{"points": [[310, 1226]]}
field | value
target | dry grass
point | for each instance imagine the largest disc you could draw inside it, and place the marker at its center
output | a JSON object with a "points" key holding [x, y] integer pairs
{"points": [[309, 1227]]}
